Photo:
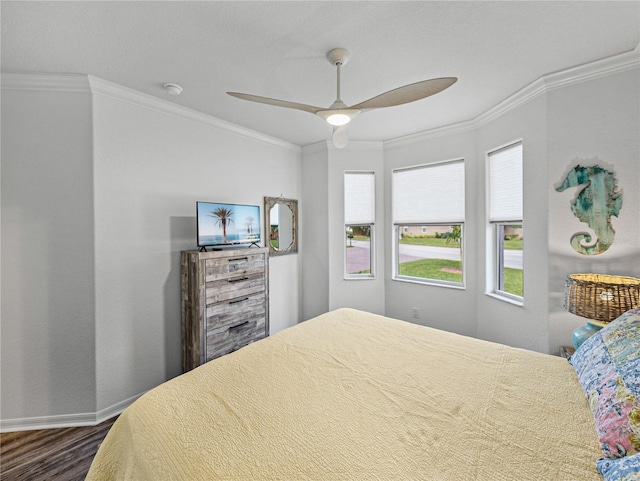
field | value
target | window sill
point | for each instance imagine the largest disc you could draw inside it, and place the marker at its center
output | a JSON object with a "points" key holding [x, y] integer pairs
{"points": [[509, 300], [428, 282]]}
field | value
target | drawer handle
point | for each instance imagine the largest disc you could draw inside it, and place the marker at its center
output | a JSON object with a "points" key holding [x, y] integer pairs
{"points": [[239, 300], [239, 279], [236, 259], [239, 325]]}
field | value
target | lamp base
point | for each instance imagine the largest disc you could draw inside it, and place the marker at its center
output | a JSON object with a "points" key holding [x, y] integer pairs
{"points": [[583, 333]]}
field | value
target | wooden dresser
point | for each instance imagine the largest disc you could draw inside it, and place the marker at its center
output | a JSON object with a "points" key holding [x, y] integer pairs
{"points": [[225, 302]]}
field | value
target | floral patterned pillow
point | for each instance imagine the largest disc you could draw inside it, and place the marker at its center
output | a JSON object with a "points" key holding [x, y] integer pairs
{"points": [[608, 367], [623, 469]]}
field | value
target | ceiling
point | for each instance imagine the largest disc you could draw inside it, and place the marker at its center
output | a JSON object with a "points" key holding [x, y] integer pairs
{"points": [[278, 49]]}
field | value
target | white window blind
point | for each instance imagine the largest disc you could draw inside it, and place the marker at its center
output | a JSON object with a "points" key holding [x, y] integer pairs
{"points": [[505, 184], [359, 198], [429, 194]]}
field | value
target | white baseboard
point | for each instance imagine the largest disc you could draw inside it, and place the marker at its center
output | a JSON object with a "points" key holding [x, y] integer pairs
{"points": [[65, 420], [115, 409]]}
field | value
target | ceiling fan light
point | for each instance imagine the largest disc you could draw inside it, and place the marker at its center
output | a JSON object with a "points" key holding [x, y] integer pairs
{"points": [[338, 119]]}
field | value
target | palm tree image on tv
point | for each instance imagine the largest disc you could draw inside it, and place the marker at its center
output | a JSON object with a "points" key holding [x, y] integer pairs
{"points": [[223, 217], [248, 223]]}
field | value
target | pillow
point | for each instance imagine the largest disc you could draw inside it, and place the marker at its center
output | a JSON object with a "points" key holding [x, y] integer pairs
{"points": [[623, 469], [608, 368]]}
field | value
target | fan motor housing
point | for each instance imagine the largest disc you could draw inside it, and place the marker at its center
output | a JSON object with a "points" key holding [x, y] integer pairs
{"points": [[338, 56]]}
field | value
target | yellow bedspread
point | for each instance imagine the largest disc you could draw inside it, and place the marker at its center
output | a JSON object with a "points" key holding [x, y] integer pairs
{"points": [[355, 396]]}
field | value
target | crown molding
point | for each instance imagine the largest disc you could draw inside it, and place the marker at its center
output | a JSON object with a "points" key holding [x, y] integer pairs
{"points": [[86, 83], [457, 128], [327, 146], [89, 84], [322, 146], [123, 94], [564, 78], [41, 82], [593, 70], [357, 145]]}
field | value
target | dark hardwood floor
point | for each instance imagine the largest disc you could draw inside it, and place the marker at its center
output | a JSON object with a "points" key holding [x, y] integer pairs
{"points": [[50, 454]]}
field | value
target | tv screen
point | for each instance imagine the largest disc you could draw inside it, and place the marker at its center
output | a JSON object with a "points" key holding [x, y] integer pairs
{"points": [[227, 224]]}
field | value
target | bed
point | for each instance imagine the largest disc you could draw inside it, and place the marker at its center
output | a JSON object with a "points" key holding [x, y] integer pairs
{"points": [[355, 396]]}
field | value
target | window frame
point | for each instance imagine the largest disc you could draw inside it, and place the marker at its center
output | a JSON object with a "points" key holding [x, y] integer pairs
{"points": [[498, 281], [495, 254], [372, 270], [371, 225], [398, 228], [426, 280]]}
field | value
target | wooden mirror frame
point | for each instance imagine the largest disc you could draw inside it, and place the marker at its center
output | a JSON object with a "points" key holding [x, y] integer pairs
{"points": [[292, 204]]}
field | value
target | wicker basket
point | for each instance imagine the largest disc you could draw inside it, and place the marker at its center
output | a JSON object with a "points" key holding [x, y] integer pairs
{"points": [[601, 297]]}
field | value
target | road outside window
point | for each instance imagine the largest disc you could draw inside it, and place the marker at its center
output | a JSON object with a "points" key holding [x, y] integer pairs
{"points": [[432, 252], [358, 249]]}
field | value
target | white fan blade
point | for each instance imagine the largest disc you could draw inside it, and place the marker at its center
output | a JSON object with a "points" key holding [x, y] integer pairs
{"points": [[276, 102], [340, 137], [408, 93]]}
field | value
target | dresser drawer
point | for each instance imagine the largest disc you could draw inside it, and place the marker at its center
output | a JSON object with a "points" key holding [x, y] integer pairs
{"points": [[233, 287], [234, 311], [234, 337], [234, 266]]}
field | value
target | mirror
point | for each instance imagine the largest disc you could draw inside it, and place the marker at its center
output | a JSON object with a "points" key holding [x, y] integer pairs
{"points": [[281, 225]]}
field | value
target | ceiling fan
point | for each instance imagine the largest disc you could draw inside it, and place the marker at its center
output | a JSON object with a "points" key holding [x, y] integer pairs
{"points": [[338, 114]]}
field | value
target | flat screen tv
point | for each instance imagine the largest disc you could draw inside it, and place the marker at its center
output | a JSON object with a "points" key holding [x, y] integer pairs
{"points": [[227, 224]]}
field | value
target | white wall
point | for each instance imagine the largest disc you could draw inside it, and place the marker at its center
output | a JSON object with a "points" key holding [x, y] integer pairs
{"points": [[523, 326], [595, 122], [452, 309], [100, 202], [48, 330], [585, 113], [314, 235], [150, 169], [324, 280], [365, 294]]}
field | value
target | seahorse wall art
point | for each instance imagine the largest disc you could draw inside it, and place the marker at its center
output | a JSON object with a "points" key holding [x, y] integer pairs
{"points": [[595, 203]]}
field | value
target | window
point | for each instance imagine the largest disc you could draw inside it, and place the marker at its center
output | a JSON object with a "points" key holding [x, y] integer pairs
{"points": [[359, 219], [505, 219], [428, 217]]}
